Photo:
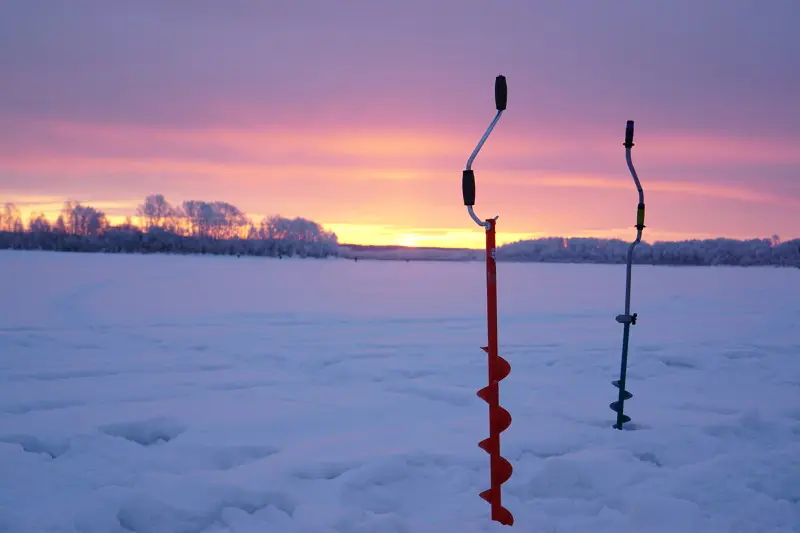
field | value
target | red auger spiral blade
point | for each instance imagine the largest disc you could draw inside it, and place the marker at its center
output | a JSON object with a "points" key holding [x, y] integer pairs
{"points": [[499, 368]]}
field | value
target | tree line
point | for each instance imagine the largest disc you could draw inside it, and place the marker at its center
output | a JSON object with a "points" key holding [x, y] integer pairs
{"points": [[200, 227], [707, 252], [192, 227]]}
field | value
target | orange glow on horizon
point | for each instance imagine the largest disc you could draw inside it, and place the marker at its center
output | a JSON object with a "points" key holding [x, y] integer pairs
{"points": [[401, 187], [466, 236]]}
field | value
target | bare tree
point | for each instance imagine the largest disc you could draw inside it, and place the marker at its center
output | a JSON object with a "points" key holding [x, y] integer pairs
{"points": [[215, 220], [79, 219], [10, 218], [38, 223], [155, 211]]}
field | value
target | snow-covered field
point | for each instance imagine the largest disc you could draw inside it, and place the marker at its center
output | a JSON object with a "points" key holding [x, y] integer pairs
{"points": [[214, 394]]}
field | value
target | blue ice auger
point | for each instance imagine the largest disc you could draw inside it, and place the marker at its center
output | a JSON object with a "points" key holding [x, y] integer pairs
{"points": [[627, 319]]}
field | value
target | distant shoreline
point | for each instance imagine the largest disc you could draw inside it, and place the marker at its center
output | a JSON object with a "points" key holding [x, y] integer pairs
{"points": [[417, 255], [710, 252]]}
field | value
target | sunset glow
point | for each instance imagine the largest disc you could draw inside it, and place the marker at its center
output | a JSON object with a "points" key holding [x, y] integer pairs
{"points": [[377, 158]]}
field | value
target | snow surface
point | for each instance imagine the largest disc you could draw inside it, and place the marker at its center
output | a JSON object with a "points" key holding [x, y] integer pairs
{"points": [[213, 394]]}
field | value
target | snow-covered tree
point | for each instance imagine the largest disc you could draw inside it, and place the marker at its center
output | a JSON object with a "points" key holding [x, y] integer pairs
{"points": [[10, 218]]}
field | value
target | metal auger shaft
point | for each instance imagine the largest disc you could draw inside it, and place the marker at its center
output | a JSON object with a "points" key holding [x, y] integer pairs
{"points": [[627, 319]]}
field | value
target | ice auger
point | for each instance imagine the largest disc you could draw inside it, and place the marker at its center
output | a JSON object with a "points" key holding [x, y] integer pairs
{"points": [[627, 319], [499, 419]]}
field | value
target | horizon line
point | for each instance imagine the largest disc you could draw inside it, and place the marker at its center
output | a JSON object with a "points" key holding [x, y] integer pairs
{"points": [[411, 237], [643, 241]]}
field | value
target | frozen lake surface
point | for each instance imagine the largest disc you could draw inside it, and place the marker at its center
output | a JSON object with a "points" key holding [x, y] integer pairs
{"points": [[160, 394]]}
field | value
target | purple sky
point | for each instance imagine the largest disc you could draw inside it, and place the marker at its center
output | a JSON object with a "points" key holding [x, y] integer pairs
{"points": [[713, 86]]}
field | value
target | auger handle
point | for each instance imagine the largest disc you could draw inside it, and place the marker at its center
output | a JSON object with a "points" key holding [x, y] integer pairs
{"points": [[468, 176], [628, 135], [500, 93]]}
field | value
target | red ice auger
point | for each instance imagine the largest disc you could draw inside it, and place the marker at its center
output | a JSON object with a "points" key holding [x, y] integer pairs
{"points": [[499, 419]]}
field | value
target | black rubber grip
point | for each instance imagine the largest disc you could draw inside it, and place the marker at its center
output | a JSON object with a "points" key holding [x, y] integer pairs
{"points": [[629, 134], [500, 93], [468, 187]]}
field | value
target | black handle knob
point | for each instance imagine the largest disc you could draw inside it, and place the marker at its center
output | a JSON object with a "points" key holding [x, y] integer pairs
{"points": [[500, 93], [468, 187], [629, 134]]}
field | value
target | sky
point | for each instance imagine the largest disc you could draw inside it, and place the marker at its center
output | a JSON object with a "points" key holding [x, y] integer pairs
{"points": [[360, 114]]}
